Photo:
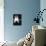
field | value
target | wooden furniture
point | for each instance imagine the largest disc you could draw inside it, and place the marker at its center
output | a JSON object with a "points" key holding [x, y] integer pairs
{"points": [[39, 35]]}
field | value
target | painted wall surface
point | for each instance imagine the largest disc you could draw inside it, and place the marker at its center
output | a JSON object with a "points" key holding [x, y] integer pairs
{"points": [[25, 7], [1, 20], [43, 6]]}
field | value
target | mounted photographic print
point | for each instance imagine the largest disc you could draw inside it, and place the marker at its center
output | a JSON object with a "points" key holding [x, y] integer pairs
{"points": [[17, 19]]}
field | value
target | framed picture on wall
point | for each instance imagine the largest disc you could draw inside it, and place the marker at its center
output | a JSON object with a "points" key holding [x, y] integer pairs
{"points": [[17, 19]]}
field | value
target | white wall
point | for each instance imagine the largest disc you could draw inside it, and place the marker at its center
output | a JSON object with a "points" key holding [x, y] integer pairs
{"points": [[1, 20]]}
